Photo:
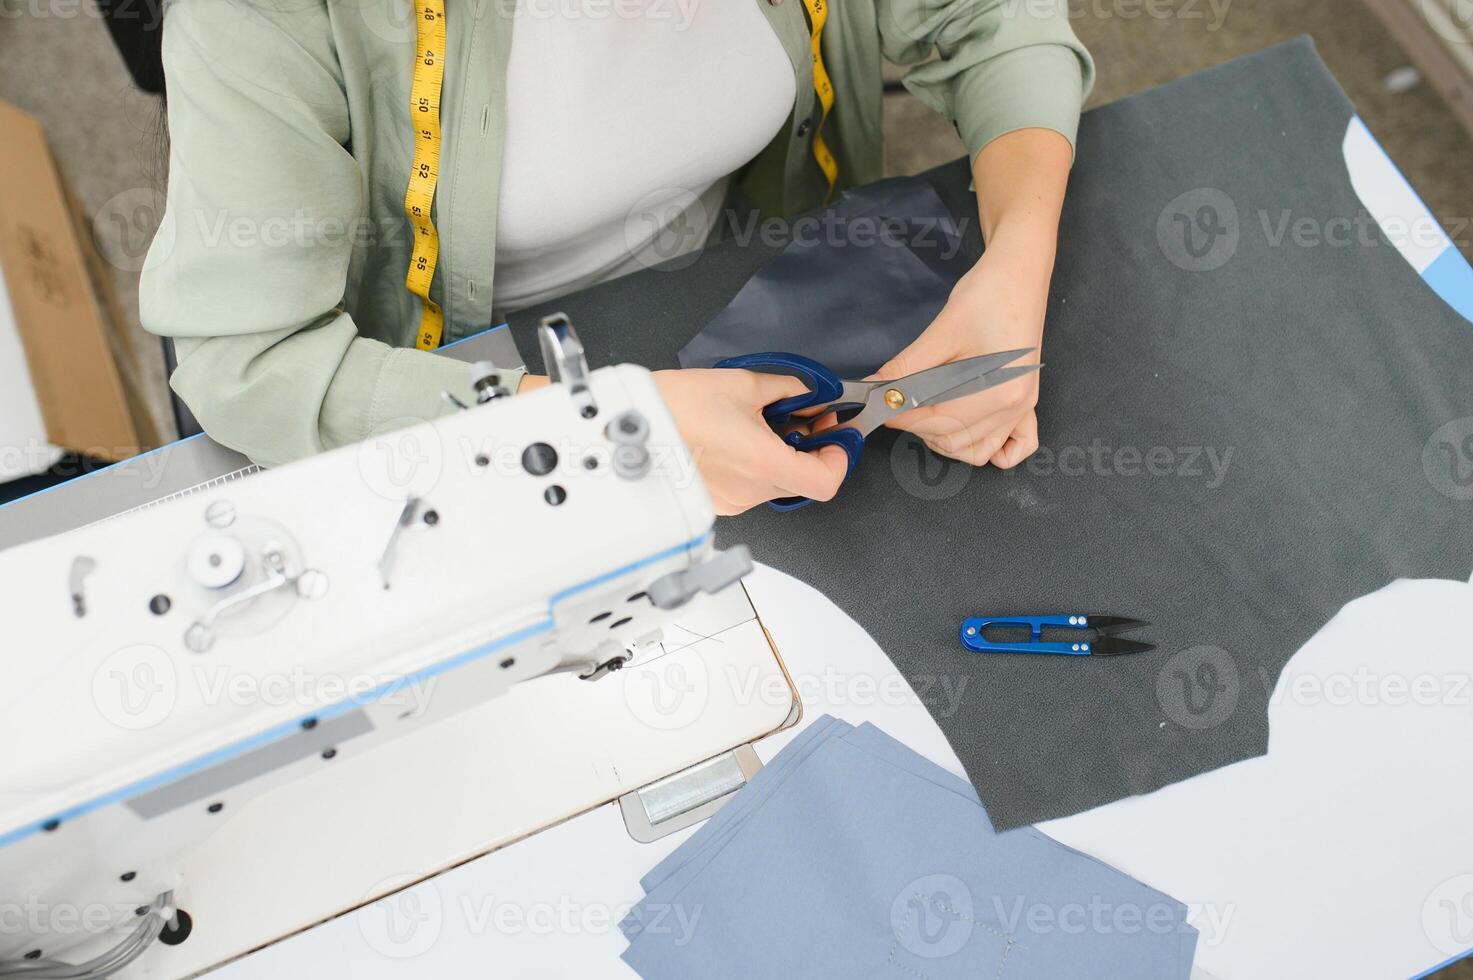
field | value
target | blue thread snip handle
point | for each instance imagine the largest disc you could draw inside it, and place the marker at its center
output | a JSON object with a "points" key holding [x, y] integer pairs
{"points": [[1104, 644]]}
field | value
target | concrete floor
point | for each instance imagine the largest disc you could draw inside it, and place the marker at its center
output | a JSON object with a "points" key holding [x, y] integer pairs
{"points": [[57, 62]]}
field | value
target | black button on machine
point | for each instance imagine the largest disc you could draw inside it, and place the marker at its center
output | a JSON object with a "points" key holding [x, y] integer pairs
{"points": [[539, 459]]}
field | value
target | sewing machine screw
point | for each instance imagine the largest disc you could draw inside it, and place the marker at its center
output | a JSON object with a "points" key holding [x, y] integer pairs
{"points": [[82, 566], [555, 495], [220, 514], [159, 605], [312, 584], [431, 517], [539, 459], [590, 463], [629, 433]]}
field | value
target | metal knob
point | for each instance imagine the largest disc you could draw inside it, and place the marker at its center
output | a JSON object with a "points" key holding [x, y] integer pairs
{"points": [[630, 433]]}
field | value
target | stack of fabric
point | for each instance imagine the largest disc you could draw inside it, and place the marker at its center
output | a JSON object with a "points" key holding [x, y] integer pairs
{"points": [[850, 856]]}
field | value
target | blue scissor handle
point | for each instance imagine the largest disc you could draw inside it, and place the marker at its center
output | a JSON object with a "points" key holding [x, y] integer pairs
{"points": [[850, 440], [824, 386], [972, 638]]}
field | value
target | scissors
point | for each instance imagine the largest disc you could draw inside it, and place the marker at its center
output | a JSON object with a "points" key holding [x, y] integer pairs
{"points": [[876, 402], [1106, 641]]}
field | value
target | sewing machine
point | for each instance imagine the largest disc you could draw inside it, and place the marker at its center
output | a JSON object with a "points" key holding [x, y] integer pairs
{"points": [[241, 712]]}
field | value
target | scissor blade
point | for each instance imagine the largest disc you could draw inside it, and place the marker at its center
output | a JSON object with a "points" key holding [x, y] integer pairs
{"points": [[991, 380], [925, 387]]}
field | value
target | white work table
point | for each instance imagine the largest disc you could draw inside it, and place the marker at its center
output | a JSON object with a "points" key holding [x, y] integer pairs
{"points": [[1296, 860]]}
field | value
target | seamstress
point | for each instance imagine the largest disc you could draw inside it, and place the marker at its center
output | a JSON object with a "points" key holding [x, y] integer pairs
{"points": [[280, 268]]}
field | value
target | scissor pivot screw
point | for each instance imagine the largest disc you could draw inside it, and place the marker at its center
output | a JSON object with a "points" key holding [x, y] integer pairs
{"points": [[894, 398]]}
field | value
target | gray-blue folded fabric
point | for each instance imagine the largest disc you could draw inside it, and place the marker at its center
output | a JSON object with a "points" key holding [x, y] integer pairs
{"points": [[855, 857]]}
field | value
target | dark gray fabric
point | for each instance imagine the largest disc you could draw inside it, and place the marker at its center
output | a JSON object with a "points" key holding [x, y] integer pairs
{"points": [[1327, 376], [875, 267]]}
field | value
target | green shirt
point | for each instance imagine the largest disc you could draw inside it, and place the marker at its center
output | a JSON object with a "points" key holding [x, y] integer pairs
{"points": [[279, 267]]}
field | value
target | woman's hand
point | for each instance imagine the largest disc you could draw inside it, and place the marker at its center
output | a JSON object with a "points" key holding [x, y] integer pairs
{"points": [[743, 462], [994, 307], [998, 305]]}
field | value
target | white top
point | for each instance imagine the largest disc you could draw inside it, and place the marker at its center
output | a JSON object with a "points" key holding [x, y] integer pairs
{"points": [[622, 127]]}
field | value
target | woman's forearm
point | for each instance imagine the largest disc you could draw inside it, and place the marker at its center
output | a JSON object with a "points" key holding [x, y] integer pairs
{"points": [[1020, 180]]}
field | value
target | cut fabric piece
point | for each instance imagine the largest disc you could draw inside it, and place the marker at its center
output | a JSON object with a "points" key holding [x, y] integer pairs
{"points": [[1242, 431], [876, 266], [1361, 810], [864, 859]]}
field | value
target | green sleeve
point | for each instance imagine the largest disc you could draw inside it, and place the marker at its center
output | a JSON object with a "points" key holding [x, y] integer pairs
{"points": [[1002, 65], [249, 269]]}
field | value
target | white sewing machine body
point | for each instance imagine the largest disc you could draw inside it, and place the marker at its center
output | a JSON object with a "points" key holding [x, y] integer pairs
{"points": [[168, 666]]}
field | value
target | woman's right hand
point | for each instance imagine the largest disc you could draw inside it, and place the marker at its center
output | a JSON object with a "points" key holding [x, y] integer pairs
{"points": [[744, 463]]}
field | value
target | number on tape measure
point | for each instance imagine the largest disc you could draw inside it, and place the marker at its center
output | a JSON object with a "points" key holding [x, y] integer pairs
{"points": [[424, 173]]}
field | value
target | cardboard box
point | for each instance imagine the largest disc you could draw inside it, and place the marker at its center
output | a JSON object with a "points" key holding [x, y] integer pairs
{"points": [[68, 377]]}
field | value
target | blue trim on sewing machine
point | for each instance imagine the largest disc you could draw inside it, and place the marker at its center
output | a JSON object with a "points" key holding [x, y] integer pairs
{"points": [[103, 469], [348, 704], [479, 333]]}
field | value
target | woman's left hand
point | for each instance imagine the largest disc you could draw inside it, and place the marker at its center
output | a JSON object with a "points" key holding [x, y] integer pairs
{"points": [[998, 305]]}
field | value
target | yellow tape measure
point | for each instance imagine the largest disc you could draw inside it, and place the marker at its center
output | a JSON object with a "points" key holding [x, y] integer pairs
{"points": [[419, 198], [818, 15]]}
